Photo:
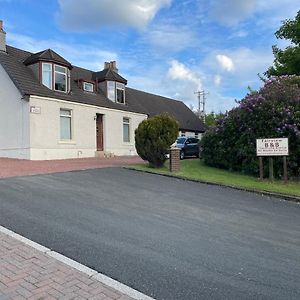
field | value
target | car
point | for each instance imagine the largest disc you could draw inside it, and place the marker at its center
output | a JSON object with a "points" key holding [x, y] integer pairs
{"points": [[188, 146]]}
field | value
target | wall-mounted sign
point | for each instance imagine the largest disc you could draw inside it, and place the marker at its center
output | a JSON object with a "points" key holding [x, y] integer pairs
{"points": [[272, 147], [35, 109]]}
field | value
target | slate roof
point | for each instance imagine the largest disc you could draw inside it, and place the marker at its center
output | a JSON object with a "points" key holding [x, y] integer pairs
{"points": [[136, 101], [47, 55], [109, 74]]}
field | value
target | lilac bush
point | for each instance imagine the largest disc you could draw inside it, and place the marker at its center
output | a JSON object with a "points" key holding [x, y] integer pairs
{"points": [[271, 112]]}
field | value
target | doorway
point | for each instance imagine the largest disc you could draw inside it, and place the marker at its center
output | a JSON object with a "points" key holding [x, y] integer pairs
{"points": [[99, 132]]}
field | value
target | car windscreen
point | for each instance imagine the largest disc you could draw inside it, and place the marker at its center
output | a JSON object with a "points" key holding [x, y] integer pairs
{"points": [[180, 141]]}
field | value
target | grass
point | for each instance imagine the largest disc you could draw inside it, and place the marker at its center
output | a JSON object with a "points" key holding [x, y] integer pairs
{"points": [[195, 169]]}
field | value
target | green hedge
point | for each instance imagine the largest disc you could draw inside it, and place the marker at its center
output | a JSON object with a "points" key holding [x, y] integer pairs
{"points": [[272, 112]]}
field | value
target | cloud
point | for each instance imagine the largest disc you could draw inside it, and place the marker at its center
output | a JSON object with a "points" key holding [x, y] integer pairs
{"points": [[179, 71], [170, 38], [217, 80], [231, 12], [78, 54], [225, 62], [90, 15]]}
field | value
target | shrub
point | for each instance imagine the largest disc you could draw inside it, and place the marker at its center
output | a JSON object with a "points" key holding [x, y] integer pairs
{"points": [[273, 111], [153, 138]]}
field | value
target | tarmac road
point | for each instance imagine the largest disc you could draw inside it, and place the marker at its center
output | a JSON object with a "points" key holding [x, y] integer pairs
{"points": [[168, 238]]}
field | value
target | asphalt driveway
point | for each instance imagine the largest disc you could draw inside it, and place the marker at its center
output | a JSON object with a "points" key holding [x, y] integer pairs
{"points": [[168, 238]]}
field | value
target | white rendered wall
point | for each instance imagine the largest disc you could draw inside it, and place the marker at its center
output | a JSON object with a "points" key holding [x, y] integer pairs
{"points": [[45, 130], [14, 120], [190, 134]]}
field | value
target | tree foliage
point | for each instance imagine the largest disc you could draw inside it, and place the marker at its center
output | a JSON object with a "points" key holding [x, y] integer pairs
{"points": [[287, 61], [272, 112], [153, 138]]}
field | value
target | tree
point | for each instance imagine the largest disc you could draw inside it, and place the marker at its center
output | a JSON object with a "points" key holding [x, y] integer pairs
{"points": [[154, 137], [271, 112], [211, 118], [287, 61]]}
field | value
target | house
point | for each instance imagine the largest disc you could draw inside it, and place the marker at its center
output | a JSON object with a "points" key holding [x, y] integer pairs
{"points": [[51, 109]]}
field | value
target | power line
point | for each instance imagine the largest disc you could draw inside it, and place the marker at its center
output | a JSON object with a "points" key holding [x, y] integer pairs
{"points": [[201, 103]]}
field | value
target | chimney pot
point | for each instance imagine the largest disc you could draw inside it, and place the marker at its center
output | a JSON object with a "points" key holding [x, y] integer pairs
{"points": [[1, 25]]}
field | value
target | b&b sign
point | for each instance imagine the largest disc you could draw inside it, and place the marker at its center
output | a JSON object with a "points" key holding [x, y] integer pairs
{"points": [[272, 147]]}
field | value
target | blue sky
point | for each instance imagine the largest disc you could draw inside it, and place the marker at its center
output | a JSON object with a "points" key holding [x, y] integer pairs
{"points": [[168, 47]]}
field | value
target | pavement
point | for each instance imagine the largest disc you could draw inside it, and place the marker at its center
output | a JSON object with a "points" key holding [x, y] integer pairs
{"points": [[26, 273], [165, 237], [20, 167]]}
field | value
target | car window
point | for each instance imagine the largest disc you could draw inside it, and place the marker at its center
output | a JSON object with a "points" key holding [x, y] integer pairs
{"points": [[195, 141], [180, 141]]}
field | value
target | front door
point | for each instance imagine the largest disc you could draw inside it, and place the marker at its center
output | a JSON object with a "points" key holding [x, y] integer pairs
{"points": [[99, 132]]}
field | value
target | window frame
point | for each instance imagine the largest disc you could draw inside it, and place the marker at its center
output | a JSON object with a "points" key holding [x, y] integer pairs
{"points": [[70, 117], [90, 84], [51, 74], [121, 87], [128, 123], [114, 90], [66, 76]]}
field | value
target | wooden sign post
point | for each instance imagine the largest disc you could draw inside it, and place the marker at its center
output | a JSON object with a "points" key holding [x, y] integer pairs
{"points": [[271, 148]]}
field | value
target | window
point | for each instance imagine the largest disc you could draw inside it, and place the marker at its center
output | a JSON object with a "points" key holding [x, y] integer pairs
{"points": [[88, 87], [60, 78], [196, 135], [182, 133], [120, 93], [65, 124], [47, 75], [126, 130], [111, 90]]}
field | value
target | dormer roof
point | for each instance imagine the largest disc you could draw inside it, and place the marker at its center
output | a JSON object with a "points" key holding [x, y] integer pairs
{"points": [[108, 74], [47, 55]]}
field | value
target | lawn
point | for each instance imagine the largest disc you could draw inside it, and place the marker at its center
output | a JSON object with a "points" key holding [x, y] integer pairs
{"points": [[195, 169]]}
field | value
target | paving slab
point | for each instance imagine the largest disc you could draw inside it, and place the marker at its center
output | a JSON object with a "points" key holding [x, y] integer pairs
{"points": [[19, 167], [28, 271]]}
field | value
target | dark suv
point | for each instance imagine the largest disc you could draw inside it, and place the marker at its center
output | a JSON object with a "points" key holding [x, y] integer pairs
{"points": [[188, 146]]}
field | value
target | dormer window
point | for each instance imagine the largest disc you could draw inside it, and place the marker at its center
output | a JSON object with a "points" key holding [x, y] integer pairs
{"points": [[52, 70], [60, 81], [88, 87], [116, 91]]}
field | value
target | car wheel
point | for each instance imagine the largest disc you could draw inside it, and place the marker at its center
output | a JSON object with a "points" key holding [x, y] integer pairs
{"points": [[182, 155], [197, 154]]}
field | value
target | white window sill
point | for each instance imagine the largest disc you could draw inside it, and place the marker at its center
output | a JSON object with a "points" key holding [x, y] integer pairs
{"points": [[67, 142]]}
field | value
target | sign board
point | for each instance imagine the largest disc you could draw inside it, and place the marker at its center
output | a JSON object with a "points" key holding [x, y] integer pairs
{"points": [[35, 109], [272, 147]]}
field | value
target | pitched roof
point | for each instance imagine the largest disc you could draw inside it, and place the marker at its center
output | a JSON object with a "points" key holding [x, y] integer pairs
{"points": [[109, 74], [136, 101], [47, 55], [155, 105]]}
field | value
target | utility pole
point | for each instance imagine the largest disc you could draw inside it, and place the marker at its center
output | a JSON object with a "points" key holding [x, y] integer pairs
{"points": [[201, 103]]}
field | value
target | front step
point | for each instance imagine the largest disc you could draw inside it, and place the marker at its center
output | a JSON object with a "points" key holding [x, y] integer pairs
{"points": [[104, 154]]}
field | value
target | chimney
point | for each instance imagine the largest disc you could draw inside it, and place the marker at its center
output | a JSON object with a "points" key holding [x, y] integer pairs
{"points": [[2, 38], [111, 65]]}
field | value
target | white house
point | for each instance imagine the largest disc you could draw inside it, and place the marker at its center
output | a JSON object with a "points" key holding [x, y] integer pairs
{"points": [[50, 109]]}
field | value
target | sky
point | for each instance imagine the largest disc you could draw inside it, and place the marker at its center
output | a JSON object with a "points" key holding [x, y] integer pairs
{"points": [[168, 47]]}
